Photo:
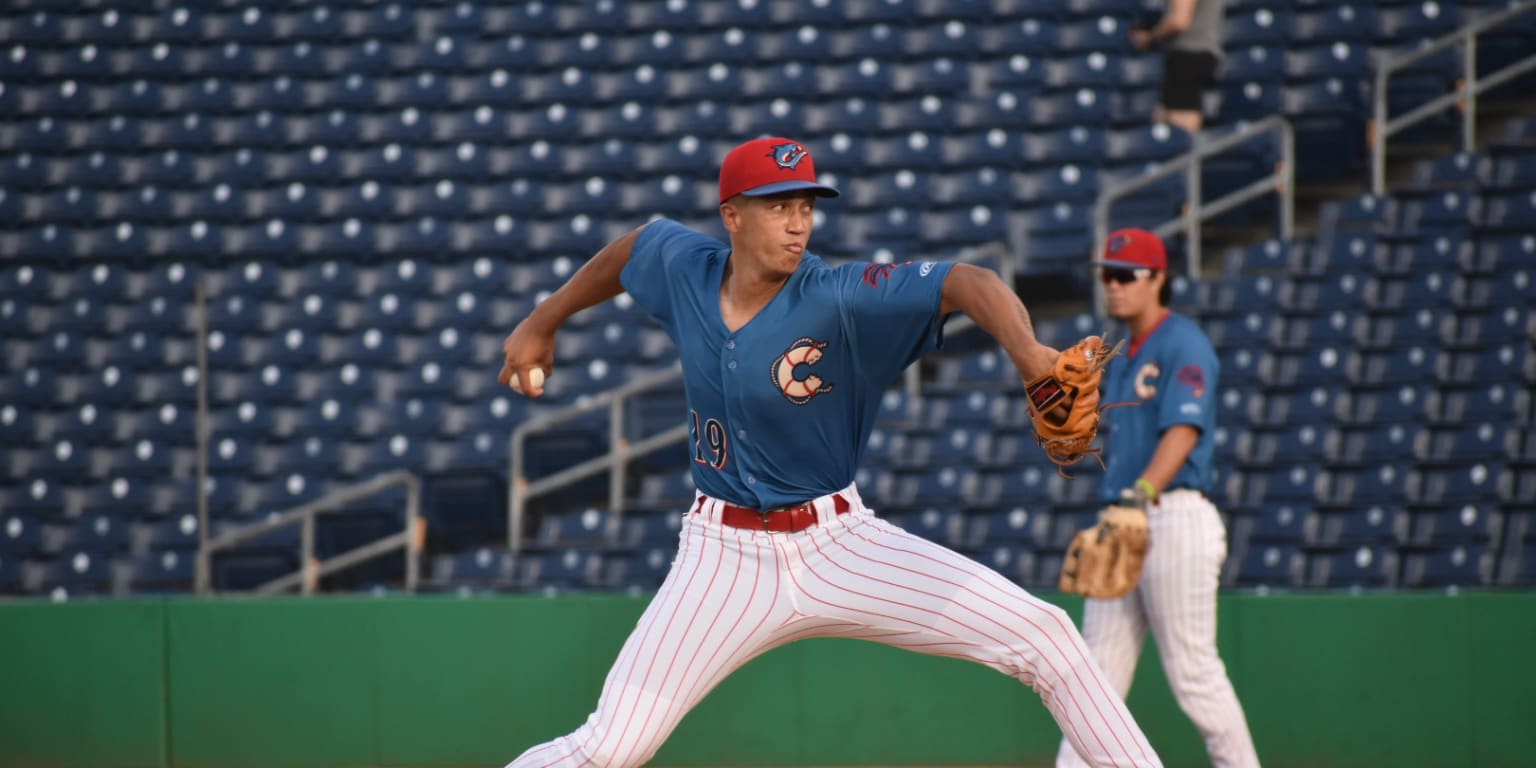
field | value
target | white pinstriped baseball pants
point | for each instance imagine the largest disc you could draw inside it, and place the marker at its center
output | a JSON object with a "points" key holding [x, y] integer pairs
{"points": [[733, 594], [1176, 599]]}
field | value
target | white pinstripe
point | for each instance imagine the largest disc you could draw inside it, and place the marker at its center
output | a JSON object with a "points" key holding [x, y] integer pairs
{"points": [[1176, 599], [733, 594]]}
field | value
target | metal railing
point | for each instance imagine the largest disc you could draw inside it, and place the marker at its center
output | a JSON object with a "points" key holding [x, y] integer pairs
{"points": [[1464, 97], [307, 577], [1196, 209], [411, 538], [621, 450]]}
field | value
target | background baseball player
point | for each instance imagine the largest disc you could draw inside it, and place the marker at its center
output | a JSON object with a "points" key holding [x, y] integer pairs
{"points": [[785, 360], [1159, 456]]}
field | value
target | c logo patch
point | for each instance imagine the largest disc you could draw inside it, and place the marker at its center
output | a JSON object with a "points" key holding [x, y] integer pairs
{"points": [[1146, 387], [807, 352]]}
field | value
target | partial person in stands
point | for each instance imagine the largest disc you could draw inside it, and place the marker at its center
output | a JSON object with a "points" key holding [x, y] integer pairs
{"points": [[1189, 33]]}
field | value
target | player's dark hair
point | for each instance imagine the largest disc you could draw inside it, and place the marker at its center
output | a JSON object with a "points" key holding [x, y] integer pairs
{"points": [[1165, 293]]}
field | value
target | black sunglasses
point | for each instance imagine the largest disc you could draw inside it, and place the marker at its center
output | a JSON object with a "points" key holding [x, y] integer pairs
{"points": [[1122, 275]]}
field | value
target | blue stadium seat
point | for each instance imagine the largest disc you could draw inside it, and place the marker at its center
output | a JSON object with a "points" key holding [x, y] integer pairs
{"points": [[1494, 327], [1006, 525], [639, 571], [1352, 526], [1017, 563], [1291, 484], [483, 567], [588, 529], [155, 572], [1367, 405], [1264, 25], [75, 573], [1469, 564], [1148, 144], [667, 492], [1402, 366], [95, 534], [1443, 525], [20, 535], [1382, 484], [1449, 211], [1369, 444], [1092, 69], [1269, 565], [571, 568], [943, 526], [1248, 330], [651, 529], [1264, 447], [1362, 566], [1416, 21], [1351, 22], [1446, 485]]}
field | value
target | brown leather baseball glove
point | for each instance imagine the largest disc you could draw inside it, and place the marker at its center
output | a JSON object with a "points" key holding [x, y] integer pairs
{"points": [[1072, 386], [1105, 561]]}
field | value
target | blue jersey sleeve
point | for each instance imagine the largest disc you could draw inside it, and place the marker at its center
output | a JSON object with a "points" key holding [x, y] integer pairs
{"points": [[1189, 385], [891, 312], [650, 273]]}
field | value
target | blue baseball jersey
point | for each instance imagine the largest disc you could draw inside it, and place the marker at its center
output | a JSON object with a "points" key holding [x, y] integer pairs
{"points": [[1172, 375], [780, 410]]}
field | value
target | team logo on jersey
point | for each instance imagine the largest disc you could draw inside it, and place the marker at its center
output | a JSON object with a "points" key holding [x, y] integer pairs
{"points": [[1145, 382], [787, 155], [874, 273], [1192, 376], [799, 390]]}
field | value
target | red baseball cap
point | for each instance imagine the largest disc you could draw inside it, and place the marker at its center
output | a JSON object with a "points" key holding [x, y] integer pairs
{"points": [[769, 166], [1134, 248]]}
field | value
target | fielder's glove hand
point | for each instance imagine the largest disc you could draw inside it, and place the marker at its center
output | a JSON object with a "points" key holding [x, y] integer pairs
{"points": [[1105, 561]]}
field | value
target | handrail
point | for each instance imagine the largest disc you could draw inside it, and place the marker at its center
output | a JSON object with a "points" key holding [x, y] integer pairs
{"points": [[202, 579], [1282, 182], [620, 450], [1465, 95], [307, 577]]}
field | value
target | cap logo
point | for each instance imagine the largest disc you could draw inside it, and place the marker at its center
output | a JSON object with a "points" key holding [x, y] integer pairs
{"points": [[787, 155], [1118, 241]]}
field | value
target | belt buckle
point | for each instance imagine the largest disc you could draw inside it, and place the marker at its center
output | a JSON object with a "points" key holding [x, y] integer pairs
{"points": [[765, 514]]}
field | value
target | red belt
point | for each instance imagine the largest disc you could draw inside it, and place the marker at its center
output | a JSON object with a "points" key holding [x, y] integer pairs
{"points": [[781, 520]]}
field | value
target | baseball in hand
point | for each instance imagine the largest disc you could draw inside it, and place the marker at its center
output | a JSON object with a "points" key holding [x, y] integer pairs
{"points": [[535, 380]]}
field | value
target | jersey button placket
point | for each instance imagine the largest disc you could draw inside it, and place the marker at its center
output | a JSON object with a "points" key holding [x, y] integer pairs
{"points": [[732, 389]]}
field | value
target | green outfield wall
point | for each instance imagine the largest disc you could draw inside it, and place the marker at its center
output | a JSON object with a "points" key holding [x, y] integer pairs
{"points": [[1328, 680]]}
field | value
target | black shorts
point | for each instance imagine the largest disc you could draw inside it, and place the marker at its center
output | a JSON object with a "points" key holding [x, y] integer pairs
{"points": [[1186, 75]]}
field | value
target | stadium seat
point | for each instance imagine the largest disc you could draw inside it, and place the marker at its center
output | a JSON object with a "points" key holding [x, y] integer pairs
{"points": [[588, 528], [640, 571], [1361, 566], [1374, 485], [483, 567], [74, 573], [1469, 565], [571, 568], [942, 526], [1468, 523], [1368, 444], [1449, 485], [1351, 526], [1268, 565]]}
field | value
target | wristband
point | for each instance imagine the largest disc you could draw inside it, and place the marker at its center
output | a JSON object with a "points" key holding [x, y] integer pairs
{"points": [[1146, 489]]}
